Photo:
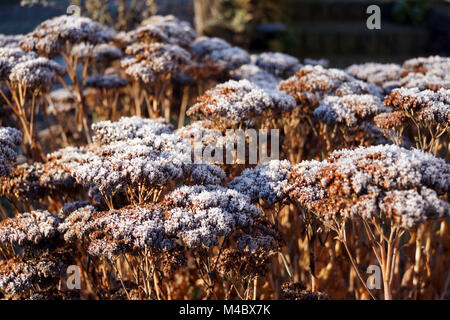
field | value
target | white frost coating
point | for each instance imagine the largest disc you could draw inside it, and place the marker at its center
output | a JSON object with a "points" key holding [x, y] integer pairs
{"points": [[129, 128], [218, 52], [37, 73], [50, 37], [29, 228], [135, 227], [256, 75], [426, 104], [279, 64], [267, 181], [384, 180], [377, 73], [200, 214], [237, 101], [10, 139], [350, 110]]}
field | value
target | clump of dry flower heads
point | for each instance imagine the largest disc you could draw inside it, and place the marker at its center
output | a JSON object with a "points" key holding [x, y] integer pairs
{"points": [[98, 169]]}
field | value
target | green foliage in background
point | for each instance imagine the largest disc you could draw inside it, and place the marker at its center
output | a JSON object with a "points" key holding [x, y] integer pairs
{"points": [[411, 11]]}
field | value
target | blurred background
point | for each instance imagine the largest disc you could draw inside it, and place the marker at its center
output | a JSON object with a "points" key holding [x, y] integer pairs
{"points": [[332, 29]]}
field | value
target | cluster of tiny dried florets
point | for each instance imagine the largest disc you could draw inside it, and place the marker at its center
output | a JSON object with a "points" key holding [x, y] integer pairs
{"points": [[215, 55], [266, 182], [54, 35], [28, 69], [276, 63], [10, 139], [238, 103], [349, 110], [198, 215], [134, 158], [18, 277], [426, 111], [426, 73], [384, 75], [373, 182], [312, 83]]}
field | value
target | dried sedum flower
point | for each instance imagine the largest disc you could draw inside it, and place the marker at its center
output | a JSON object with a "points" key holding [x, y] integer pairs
{"points": [[266, 181], [139, 165], [236, 102], [136, 227], [10, 139], [373, 182], [261, 236], [426, 64], [147, 61], [51, 36], [376, 73], [279, 64], [29, 228], [218, 52], [426, 105], [390, 120], [169, 29], [312, 83], [10, 41], [77, 222], [256, 75], [10, 57], [37, 73], [129, 128], [200, 214], [349, 110]]}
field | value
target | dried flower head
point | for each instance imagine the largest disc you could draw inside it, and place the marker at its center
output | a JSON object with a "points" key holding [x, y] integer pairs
{"points": [[10, 41], [141, 166], [244, 264], [18, 276], [260, 236], [349, 110], [376, 73], [10, 139], [129, 128], [279, 64], [217, 53], [136, 227], [167, 29], [77, 222], [147, 61], [364, 182], [426, 64], [265, 182], [10, 57], [199, 214], [51, 36], [256, 75], [29, 228], [312, 83], [434, 79], [236, 102], [390, 120], [37, 73]]}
